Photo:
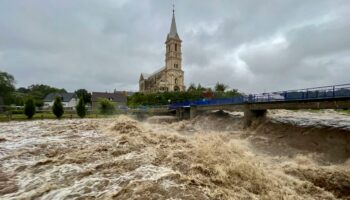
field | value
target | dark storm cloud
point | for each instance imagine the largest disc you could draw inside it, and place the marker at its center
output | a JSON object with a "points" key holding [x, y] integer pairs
{"points": [[250, 45]]}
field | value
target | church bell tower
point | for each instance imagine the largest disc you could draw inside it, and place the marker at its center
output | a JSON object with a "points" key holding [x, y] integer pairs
{"points": [[173, 59]]}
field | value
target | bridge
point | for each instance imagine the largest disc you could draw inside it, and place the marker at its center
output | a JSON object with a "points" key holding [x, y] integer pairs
{"points": [[256, 105]]}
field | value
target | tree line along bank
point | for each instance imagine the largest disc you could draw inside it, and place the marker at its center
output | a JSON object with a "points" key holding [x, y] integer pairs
{"points": [[30, 99]]}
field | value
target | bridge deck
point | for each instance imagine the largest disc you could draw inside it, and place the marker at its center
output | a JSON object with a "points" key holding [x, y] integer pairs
{"points": [[339, 103], [328, 97]]}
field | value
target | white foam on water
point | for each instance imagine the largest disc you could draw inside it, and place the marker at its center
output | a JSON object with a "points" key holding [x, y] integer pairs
{"points": [[67, 159]]}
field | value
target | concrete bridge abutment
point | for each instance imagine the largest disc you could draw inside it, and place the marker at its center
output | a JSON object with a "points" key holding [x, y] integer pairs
{"points": [[193, 112], [183, 113], [249, 114], [186, 113], [179, 113]]}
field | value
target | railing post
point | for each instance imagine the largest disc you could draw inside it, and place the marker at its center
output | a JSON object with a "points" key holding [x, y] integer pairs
{"points": [[333, 91]]}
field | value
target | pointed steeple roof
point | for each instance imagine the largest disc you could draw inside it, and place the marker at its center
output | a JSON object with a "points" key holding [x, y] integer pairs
{"points": [[173, 29]]}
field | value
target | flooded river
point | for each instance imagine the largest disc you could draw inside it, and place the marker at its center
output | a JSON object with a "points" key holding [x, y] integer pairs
{"points": [[289, 155]]}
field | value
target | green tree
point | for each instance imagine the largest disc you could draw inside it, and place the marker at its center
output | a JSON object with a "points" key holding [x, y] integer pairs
{"points": [[80, 108], [57, 107], [40, 91], [191, 88], [193, 93], [29, 108], [200, 88], [220, 87], [23, 90], [7, 87], [82, 93], [39, 103], [232, 93], [19, 99], [106, 106]]}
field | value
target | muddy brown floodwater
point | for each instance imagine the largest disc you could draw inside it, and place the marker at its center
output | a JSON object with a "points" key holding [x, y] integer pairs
{"points": [[289, 155]]}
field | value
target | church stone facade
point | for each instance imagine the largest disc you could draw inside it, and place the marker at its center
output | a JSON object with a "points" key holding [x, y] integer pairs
{"points": [[171, 77]]}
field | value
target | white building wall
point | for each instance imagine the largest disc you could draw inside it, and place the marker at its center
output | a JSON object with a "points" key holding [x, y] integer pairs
{"points": [[71, 104]]}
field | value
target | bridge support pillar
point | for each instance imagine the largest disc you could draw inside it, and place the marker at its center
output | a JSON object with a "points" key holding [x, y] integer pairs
{"points": [[140, 116], [180, 113], [184, 113], [251, 115], [193, 112]]}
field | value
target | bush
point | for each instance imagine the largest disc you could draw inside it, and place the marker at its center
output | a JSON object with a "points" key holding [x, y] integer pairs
{"points": [[57, 107], [39, 103], [18, 112], [165, 98], [29, 108], [106, 107], [81, 109], [162, 98]]}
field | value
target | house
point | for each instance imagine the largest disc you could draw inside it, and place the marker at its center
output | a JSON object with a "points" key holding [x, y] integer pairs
{"points": [[129, 93], [119, 98], [69, 100]]}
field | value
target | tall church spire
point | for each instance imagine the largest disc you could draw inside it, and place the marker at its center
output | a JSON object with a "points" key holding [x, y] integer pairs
{"points": [[171, 77], [173, 29]]}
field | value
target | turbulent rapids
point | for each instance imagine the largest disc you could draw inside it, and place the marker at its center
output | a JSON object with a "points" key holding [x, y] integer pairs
{"points": [[289, 155]]}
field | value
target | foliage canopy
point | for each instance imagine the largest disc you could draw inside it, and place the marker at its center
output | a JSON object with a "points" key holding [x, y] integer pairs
{"points": [[220, 87], [80, 108], [106, 106], [193, 93], [7, 87], [29, 108], [57, 107], [83, 93], [37, 91]]}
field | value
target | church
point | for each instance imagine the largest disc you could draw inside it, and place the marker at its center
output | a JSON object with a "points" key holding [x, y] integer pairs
{"points": [[169, 78]]}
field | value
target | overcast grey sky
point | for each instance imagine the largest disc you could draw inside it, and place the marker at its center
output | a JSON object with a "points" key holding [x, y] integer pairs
{"points": [[254, 46]]}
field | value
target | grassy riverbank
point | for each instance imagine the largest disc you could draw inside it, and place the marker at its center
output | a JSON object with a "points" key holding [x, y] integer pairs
{"points": [[40, 116]]}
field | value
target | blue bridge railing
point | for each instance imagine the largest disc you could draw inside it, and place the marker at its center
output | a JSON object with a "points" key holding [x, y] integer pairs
{"points": [[326, 92]]}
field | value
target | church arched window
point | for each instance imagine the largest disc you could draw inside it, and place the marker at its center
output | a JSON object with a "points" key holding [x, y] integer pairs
{"points": [[175, 47], [176, 81]]}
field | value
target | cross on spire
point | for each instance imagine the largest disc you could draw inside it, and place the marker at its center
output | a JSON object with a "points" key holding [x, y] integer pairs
{"points": [[173, 29]]}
